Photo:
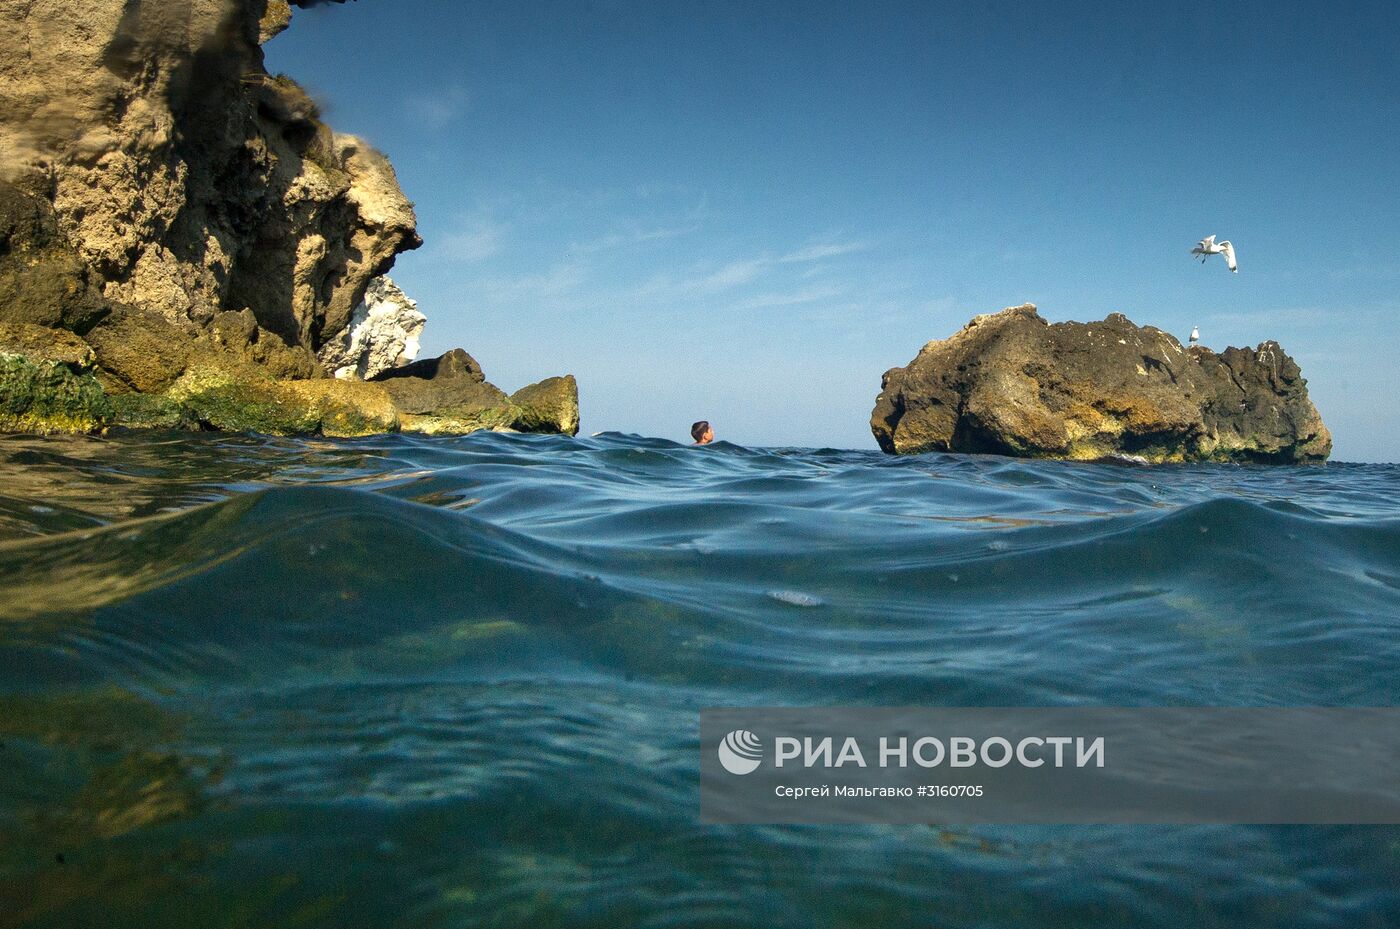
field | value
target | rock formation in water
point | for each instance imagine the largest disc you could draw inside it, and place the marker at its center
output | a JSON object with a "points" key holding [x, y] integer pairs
{"points": [[383, 333], [190, 219], [450, 395], [1009, 383]]}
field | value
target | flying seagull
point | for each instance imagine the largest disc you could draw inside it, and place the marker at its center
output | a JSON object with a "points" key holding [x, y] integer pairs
{"points": [[1208, 246]]}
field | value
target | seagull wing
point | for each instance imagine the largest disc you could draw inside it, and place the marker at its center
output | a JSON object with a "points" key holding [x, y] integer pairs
{"points": [[1229, 251], [1205, 247]]}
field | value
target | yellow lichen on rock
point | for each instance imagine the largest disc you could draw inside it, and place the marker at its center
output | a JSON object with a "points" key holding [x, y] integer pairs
{"points": [[241, 398]]}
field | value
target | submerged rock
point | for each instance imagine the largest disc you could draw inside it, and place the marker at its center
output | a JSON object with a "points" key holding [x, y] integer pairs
{"points": [[1009, 383]]}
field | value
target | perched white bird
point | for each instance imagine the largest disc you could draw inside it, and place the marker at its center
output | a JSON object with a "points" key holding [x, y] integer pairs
{"points": [[1195, 336], [1208, 246]]}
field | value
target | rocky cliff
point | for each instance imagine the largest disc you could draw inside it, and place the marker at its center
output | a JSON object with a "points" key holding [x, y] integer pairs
{"points": [[186, 215], [1010, 383]]}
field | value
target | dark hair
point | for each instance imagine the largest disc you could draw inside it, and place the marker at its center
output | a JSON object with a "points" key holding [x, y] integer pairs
{"points": [[697, 431]]}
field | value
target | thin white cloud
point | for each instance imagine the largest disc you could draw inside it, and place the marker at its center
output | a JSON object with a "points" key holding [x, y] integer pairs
{"points": [[618, 240], [472, 241], [560, 280], [748, 270], [790, 298], [819, 252], [585, 276], [733, 274], [437, 111]]}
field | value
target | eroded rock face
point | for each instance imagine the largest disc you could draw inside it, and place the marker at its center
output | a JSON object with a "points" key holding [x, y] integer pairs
{"points": [[384, 333], [187, 179], [193, 235], [43, 282], [1009, 383]]}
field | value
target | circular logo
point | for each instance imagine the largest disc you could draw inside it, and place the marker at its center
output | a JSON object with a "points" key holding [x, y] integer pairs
{"points": [[740, 752]]}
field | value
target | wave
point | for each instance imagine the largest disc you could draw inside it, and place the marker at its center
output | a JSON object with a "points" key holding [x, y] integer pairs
{"points": [[457, 680]]}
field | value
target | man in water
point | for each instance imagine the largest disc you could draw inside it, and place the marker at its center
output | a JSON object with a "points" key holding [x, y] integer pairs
{"points": [[702, 433]]}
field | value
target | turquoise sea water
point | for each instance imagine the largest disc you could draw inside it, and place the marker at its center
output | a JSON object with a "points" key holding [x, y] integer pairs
{"points": [[456, 682]]}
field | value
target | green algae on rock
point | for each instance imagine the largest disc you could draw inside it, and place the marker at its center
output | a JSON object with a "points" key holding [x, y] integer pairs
{"points": [[49, 397], [246, 399], [133, 410], [46, 384], [549, 406]]}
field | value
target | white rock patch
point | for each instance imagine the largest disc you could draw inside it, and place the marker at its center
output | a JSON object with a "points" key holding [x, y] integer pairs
{"points": [[384, 333]]}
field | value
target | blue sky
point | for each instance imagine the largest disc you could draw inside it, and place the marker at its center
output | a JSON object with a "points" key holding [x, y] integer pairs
{"points": [[746, 212]]}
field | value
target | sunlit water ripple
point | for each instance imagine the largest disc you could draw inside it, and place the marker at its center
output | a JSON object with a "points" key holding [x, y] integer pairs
{"points": [[455, 682]]}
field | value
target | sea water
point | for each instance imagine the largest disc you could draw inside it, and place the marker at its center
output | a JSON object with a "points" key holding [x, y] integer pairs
{"points": [[419, 682]]}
